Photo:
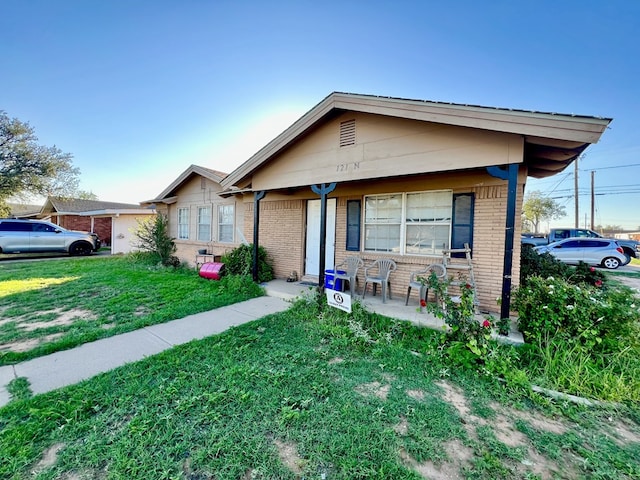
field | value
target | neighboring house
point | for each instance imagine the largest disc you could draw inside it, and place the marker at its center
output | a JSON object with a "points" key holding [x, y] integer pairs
{"points": [[199, 218], [115, 223], [403, 179], [25, 211]]}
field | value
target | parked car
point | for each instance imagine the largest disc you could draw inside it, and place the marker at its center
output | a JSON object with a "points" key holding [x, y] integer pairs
{"points": [[35, 236], [593, 251], [631, 248]]}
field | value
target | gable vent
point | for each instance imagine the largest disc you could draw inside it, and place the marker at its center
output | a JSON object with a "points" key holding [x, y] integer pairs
{"points": [[347, 133]]}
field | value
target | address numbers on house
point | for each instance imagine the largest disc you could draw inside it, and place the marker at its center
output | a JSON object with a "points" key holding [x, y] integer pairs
{"points": [[347, 167]]}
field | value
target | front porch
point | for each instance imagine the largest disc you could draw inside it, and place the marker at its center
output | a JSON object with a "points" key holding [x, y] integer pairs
{"points": [[393, 308]]}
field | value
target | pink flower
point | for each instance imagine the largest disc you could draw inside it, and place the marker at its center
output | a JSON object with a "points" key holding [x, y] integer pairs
{"points": [[486, 324], [423, 302], [598, 283], [468, 286], [593, 269]]}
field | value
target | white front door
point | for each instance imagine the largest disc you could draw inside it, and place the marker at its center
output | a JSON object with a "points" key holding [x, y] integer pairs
{"points": [[312, 259]]}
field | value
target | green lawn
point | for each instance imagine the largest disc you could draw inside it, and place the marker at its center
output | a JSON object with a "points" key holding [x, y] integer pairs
{"points": [[51, 305], [310, 395]]}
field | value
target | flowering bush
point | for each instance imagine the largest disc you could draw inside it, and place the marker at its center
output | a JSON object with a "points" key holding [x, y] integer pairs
{"points": [[595, 317]]}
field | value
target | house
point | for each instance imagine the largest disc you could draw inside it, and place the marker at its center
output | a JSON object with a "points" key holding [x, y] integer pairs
{"points": [[115, 223], [199, 218], [392, 178]]}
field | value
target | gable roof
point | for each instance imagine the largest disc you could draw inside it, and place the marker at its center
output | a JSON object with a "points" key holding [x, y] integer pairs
{"points": [[75, 206], [552, 141], [169, 193]]}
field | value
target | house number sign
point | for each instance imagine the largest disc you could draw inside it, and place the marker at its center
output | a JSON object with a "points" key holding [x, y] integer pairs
{"points": [[347, 167]]}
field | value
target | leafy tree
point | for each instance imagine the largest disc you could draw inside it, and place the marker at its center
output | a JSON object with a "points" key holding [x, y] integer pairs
{"points": [[85, 195], [537, 208], [28, 168]]}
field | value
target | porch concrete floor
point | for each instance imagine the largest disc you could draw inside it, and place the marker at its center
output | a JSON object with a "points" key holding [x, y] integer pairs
{"points": [[393, 308]]}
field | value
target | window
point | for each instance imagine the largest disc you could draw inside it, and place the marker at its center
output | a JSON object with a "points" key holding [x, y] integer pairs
{"points": [[204, 224], [353, 225], [383, 222], [225, 223], [462, 222], [408, 223], [183, 223]]}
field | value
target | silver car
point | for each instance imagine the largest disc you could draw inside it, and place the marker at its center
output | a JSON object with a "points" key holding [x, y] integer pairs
{"points": [[592, 251], [33, 236]]}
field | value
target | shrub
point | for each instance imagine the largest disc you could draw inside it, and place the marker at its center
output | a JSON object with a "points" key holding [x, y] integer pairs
{"points": [[544, 265], [596, 317], [153, 236], [239, 261]]}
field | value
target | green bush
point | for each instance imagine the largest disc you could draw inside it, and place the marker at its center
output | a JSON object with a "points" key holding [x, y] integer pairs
{"points": [[153, 236], [600, 318], [239, 261], [544, 265]]}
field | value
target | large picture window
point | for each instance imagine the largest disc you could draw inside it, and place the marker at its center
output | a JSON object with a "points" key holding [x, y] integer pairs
{"points": [[204, 224], [409, 223], [183, 223], [225, 223]]}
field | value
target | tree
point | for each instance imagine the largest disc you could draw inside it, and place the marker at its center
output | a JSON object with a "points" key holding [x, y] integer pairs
{"points": [[28, 168], [153, 236], [537, 208]]}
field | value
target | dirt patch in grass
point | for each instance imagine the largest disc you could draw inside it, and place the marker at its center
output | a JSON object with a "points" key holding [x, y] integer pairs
{"points": [[288, 454], [623, 434], [49, 458], [374, 388], [66, 317], [336, 360], [415, 394], [29, 344], [539, 421], [459, 457], [402, 427]]}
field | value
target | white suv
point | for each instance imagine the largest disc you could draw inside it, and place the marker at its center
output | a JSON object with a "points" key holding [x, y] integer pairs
{"points": [[34, 236]]}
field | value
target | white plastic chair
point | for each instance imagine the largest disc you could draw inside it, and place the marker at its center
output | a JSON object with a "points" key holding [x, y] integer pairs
{"points": [[378, 274]]}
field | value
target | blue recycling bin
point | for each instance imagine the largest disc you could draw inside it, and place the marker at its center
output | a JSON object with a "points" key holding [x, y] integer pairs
{"points": [[330, 280]]}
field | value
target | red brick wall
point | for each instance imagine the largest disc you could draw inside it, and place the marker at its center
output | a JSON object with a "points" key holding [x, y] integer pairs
{"points": [[101, 226]]}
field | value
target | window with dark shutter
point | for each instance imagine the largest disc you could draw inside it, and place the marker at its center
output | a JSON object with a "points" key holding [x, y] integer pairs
{"points": [[462, 221], [353, 225]]}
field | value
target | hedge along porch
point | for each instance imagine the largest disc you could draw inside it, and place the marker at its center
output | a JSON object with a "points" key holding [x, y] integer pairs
{"points": [[411, 178]]}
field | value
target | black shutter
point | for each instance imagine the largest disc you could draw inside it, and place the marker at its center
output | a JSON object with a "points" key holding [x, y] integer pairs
{"points": [[462, 227], [353, 225]]}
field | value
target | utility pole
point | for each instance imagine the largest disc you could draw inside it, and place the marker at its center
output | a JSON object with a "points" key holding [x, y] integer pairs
{"points": [[593, 200], [575, 185]]}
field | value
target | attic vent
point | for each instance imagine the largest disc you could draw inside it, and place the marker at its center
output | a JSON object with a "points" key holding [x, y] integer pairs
{"points": [[347, 133], [203, 183]]}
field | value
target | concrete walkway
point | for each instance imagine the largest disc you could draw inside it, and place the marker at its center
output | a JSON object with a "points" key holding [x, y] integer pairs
{"points": [[72, 366]]}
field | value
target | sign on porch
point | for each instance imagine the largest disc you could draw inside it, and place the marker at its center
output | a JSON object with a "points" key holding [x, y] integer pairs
{"points": [[339, 300]]}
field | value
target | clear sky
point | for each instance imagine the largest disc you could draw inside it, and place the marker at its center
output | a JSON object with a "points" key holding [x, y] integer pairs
{"points": [[138, 90]]}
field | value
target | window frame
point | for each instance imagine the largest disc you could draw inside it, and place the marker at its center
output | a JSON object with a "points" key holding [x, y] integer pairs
{"points": [[402, 249], [186, 225], [200, 224], [232, 224]]}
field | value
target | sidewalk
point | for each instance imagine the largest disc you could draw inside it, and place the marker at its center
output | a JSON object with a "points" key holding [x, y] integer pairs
{"points": [[72, 366]]}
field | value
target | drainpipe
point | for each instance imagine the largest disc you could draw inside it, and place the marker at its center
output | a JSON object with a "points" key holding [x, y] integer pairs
{"points": [[323, 190], [509, 173], [257, 196]]}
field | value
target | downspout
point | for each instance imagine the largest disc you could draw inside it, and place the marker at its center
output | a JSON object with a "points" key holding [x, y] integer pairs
{"points": [[257, 196], [323, 190], [509, 173]]}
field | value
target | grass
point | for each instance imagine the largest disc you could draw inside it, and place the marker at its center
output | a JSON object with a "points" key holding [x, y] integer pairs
{"points": [[309, 394], [47, 306]]}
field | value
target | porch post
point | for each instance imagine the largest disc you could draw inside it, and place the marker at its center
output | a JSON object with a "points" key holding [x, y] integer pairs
{"points": [[510, 173], [257, 196], [323, 190]]}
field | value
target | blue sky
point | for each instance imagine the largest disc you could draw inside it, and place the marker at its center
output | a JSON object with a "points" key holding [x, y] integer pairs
{"points": [[138, 90]]}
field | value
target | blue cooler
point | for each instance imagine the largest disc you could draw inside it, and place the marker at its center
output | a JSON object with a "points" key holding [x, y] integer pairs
{"points": [[330, 280]]}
